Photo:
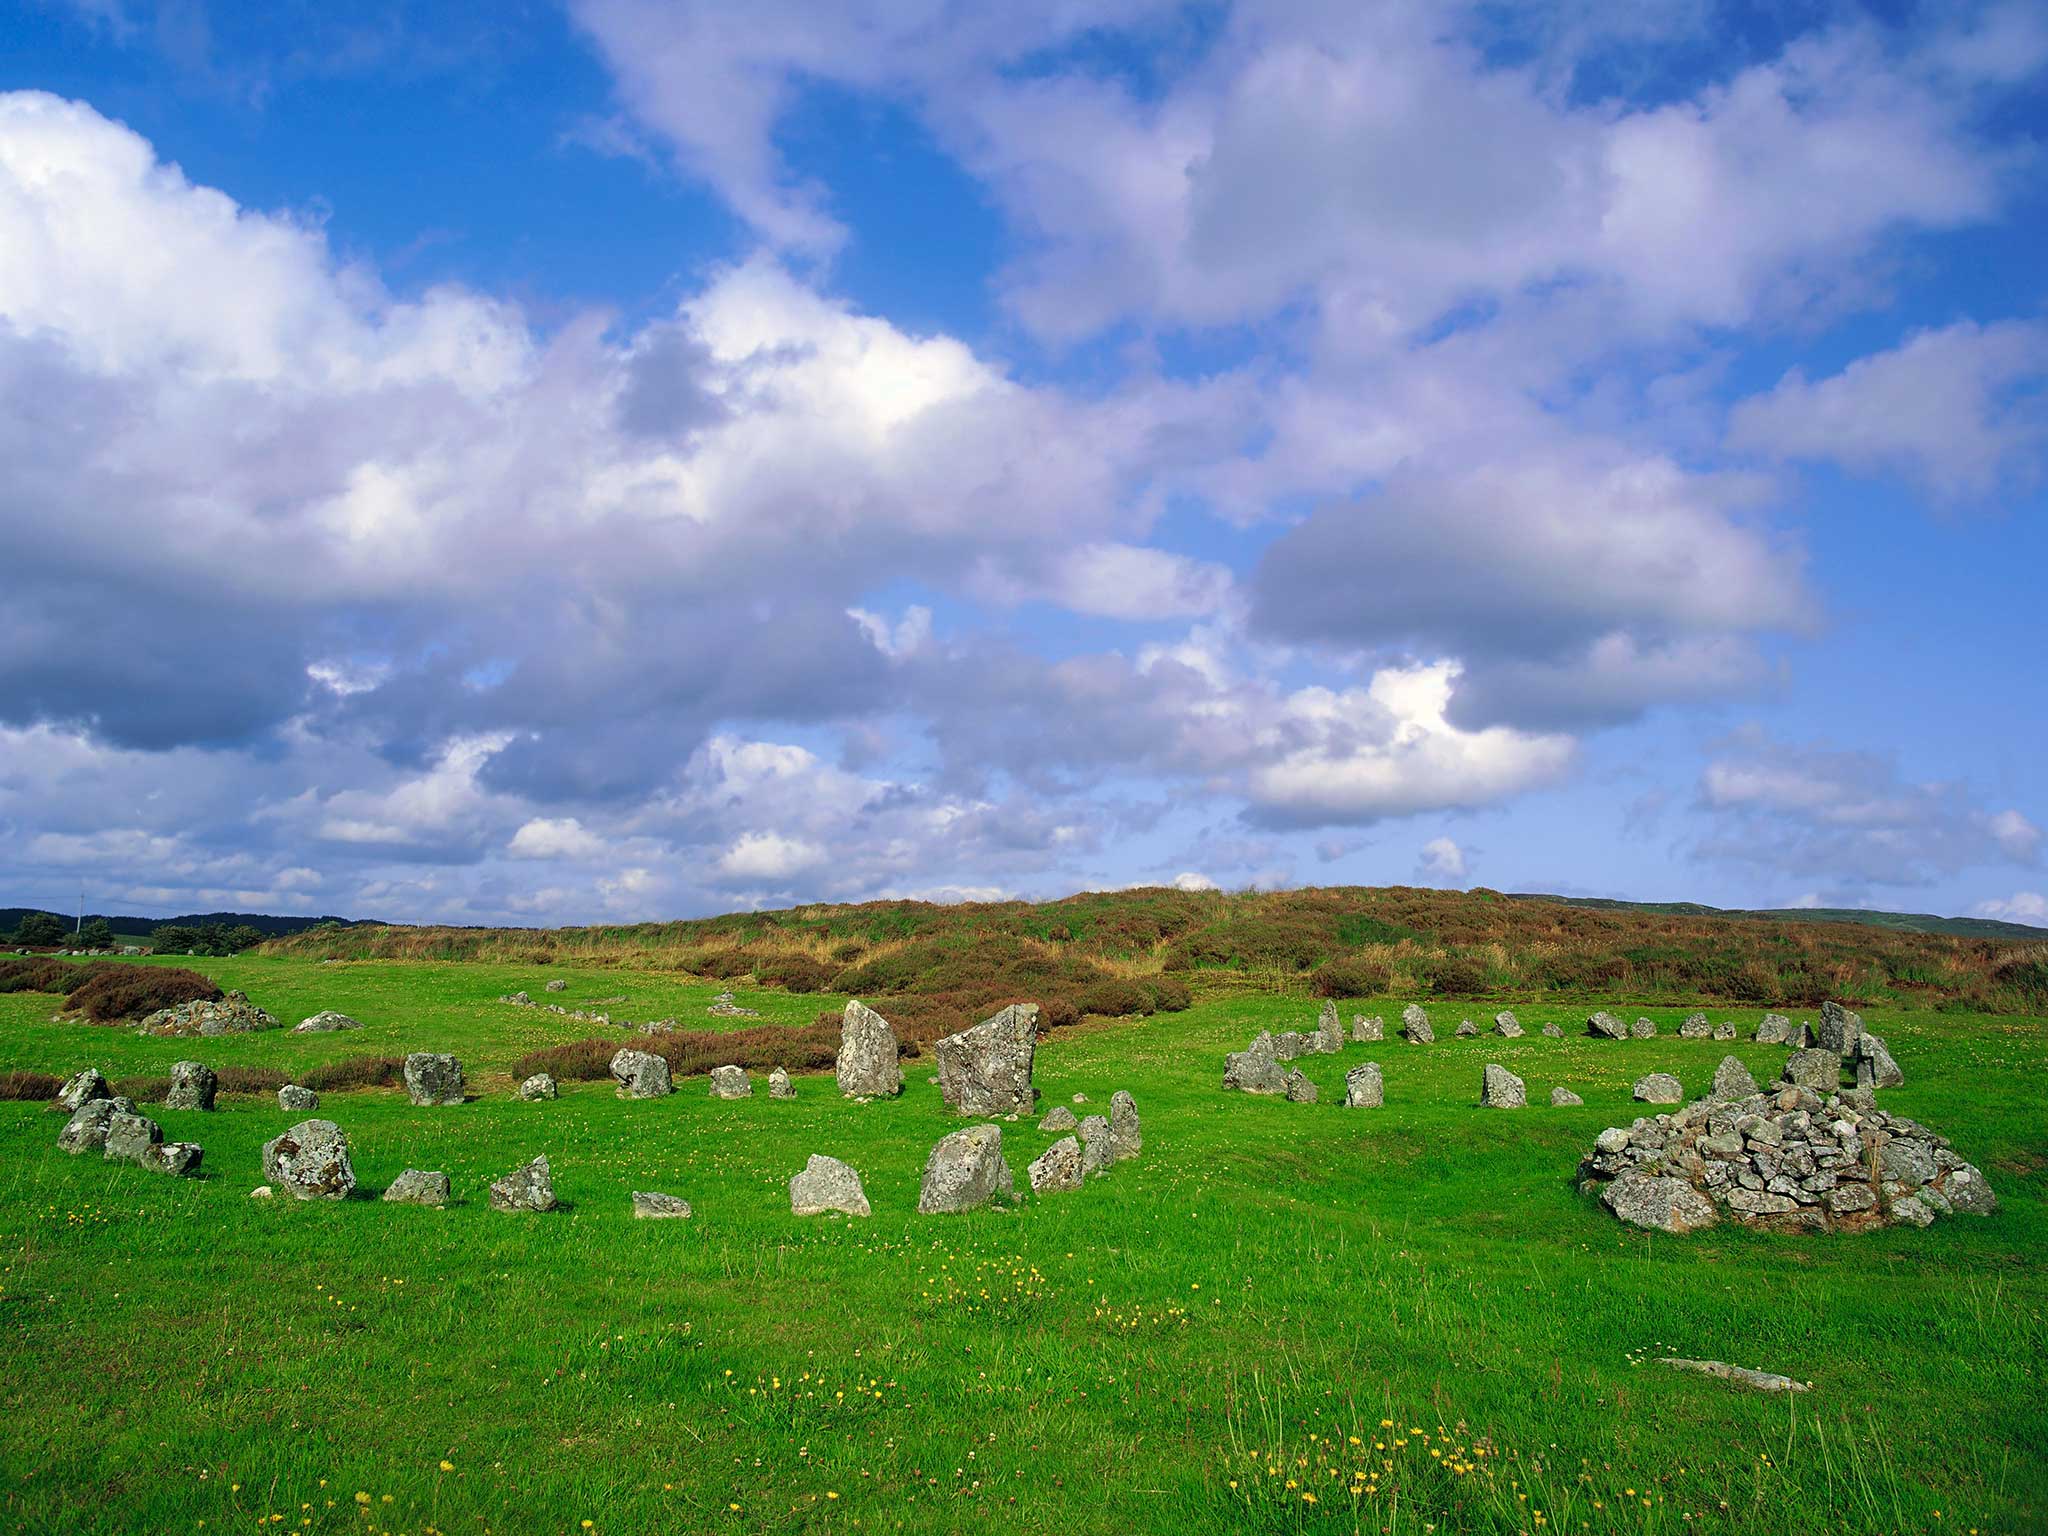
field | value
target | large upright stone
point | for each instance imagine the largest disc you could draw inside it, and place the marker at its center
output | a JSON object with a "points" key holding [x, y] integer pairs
{"points": [[86, 1130], [1096, 1152], [986, 1070], [1501, 1089], [1365, 1087], [1298, 1088], [1732, 1080], [1817, 1068], [131, 1138], [311, 1161], [1415, 1025], [1329, 1030], [1367, 1028], [1256, 1068], [81, 1090], [1058, 1168], [1874, 1065], [825, 1185], [1659, 1088], [1695, 1027], [1507, 1026], [640, 1075], [965, 1170], [1605, 1026], [433, 1077], [193, 1085], [1126, 1136], [730, 1082], [868, 1066], [1839, 1029], [530, 1187]]}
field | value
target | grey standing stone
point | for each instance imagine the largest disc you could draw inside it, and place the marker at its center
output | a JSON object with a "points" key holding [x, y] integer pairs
{"points": [[1329, 1030], [178, 1159], [1969, 1192], [1552, 1032], [1838, 1029], [193, 1086], [1817, 1068], [1874, 1065], [1774, 1029], [311, 1161], [1096, 1152], [86, 1130], [530, 1187], [1695, 1027], [1564, 1098], [1365, 1087], [1126, 1136], [1732, 1080], [1466, 1029], [825, 1185], [1060, 1167], [130, 1137], [1060, 1118], [433, 1077], [868, 1067], [418, 1186], [1501, 1089], [1415, 1025], [779, 1085], [1659, 1088], [652, 1205], [986, 1070], [966, 1169], [1605, 1026], [1299, 1089], [537, 1087], [1507, 1026], [1643, 1029], [731, 1083], [82, 1090], [558, 985], [1725, 1030], [640, 1075], [1256, 1068], [1368, 1028], [1664, 1204], [1289, 1045], [296, 1099]]}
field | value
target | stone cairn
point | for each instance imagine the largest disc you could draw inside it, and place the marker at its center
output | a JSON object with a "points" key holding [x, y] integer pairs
{"points": [[232, 1015]]}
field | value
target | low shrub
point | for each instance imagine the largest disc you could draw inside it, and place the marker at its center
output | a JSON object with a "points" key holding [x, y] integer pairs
{"points": [[693, 1052], [29, 1087], [793, 973], [354, 1072], [1114, 998], [118, 992], [1170, 995], [1352, 978]]}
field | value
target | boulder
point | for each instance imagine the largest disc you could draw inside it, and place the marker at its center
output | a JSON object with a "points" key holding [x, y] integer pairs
{"points": [[1874, 1065], [1725, 1030], [966, 1169], [1665, 1204], [1058, 1168], [193, 1086], [530, 1187], [1659, 1088], [1817, 1068], [1605, 1026], [179, 1159], [558, 985], [310, 1161], [1643, 1029], [131, 1137], [640, 1075], [1553, 1031], [1774, 1029], [1292, 1044], [731, 1083], [1501, 1089], [1255, 1069], [1564, 1098], [868, 1066], [418, 1186], [1365, 1087], [986, 1070], [1329, 1030], [433, 1077], [325, 1022], [537, 1087], [232, 1015], [779, 1085], [1096, 1152], [652, 1205], [81, 1090], [1695, 1027], [1466, 1029], [826, 1185], [1298, 1088], [1732, 1080], [86, 1130], [1415, 1025], [1126, 1136], [1367, 1029], [1839, 1029], [1060, 1118], [1507, 1026], [296, 1099]]}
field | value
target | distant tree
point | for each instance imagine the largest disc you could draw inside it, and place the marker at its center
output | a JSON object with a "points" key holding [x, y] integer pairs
{"points": [[238, 938], [97, 934], [177, 939], [40, 928]]}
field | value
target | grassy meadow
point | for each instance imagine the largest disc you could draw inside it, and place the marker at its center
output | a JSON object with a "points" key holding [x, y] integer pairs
{"points": [[1288, 1318]]}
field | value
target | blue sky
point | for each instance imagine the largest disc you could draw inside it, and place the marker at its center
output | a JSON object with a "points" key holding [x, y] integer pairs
{"points": [[623, 460]]}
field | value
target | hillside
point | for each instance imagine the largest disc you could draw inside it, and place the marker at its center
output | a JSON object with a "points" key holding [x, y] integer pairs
{"points": [[1903, 922], [262, 922], [1146, 950]]}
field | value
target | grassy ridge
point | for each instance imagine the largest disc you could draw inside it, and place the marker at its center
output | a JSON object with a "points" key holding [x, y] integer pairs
{"points": [[1142, 951], [1904, 922], [1163, 1351]]}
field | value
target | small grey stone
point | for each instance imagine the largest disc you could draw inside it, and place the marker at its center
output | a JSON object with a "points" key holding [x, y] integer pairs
{"points": [[1299, 1089], [1466, 1029], [652, 1205], [433, 1077], [418, 1186], [1501, 1089], [640, 1075], [1552, 1032], [1911, 1212], [193, 1086], [1365, 1087], [826, 1185], [731, 1083], [530, 1187], [296, 1099], [1725, 1030], [131, 1136], [1060, 1118], [558, 985], [966, 1169], [310, 1161], [1058, 1168], [179, 1159], [1659, 1088], [779, 1085], [539, 1086], [1605, 1026], [1563, 1098], [325, 1022], [1643, 1029], [1613, 1139], [1368, 1028], [1507, 1026], [1664, 1204]]}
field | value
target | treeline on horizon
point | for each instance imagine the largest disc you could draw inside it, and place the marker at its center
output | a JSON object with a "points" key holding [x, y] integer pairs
{"points": [[1146, 950]]}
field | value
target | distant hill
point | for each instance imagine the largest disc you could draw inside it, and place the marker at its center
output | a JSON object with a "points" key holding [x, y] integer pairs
{"points": [[262, 922], [1898, 922]]}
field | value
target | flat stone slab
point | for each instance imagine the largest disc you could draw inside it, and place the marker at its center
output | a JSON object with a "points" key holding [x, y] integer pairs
{"points": [[1736, 1375], [652, 1205]]}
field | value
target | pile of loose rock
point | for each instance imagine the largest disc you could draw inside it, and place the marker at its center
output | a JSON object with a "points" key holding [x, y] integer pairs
{"points": [[599, 1016], [232, 1015]]}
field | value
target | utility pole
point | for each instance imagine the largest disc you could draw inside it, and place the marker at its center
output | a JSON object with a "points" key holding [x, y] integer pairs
{"points": [[80, 926]]}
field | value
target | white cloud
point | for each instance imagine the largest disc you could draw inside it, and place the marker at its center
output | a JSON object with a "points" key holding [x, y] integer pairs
{"points": [[2020, 907], [768, 856], [554, 837], [1442, 862], [1191, 880]]}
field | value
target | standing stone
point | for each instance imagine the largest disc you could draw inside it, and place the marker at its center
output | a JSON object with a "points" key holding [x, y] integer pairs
{"points": [[296, 1099], [825, 1185], [558, 985], [1838, 1029], [779, 1085], [731, 1083], [131, 1137], [1605, 1026], [1298, 1088], [1058, 1168], [1367, 1029], [1725, 1030], [1415, 1025], [986, 1070], [652, 1205], [1329, 1030], [1364, 1087], [868, 1066], [966, 1169], [1126, 1136], [1096, 1152], [1732, 1080], [433, 1077], [640, 1075], [178, 1159], [1643, 1029], [311, 1161], [1507, 1026], [1466, 1029], [418, 1186], [86, 1130], [1775, 1029], [1563, 1098], [193, 1086], [82, 1090], [1552, 1031], [1501, 1089], [539, 1086], [1874, 1065], [1659, 1088], [1061, 1118], [528, 1188], [1695, 1027], [1256, 1068], [1818, 1068]]}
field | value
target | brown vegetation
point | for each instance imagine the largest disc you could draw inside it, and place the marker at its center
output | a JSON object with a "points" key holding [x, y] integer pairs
{"points": [[693, 1052], [119, 992]]}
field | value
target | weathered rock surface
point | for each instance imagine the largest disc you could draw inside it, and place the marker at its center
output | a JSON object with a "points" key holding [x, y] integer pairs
{"points": [[1368, 1028], [966, 1169], [779, 1085], [232, 1015], [652, 1205], [193, 1085], [1501, 1089], [1773, 1029], [530, 1187], [1060, 1118], [1732, 1080], [325, 1022], [1365, 1087], [1255, 1069], [1667, 1204], [1298, 1088], [1466, 1029], [1126, 1135], [1643, 1029], [824, 1185], [1415, 1025], [296, 1099], [86, 1130], [418, 1186], [986, 1070], [731, 1082], [538, 1087], [723, 1007], [1725, 1030], [1737, 1375], [1096, 1152], [1060, 1167], [310, 1162], [1507, 1026], [1695, 1027], [1659, 1088], [1839, 1029], [1292, 1045], [1874, 1065], [1605, 1026], [1553, 1032], [868, 1065], [558, 985], [433, 1077], [640, 1075], [178, 1159], [81, 1090], [1329, 1030], [1816, 1068], [1562, 1098], [131, 1137]]}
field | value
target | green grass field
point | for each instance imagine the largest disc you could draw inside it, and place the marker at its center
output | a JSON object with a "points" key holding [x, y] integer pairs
{"points": [[1280, 1318]]}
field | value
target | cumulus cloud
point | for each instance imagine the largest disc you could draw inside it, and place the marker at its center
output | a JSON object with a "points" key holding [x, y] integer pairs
{"points": [[2029, 907], [1442, 862]]}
